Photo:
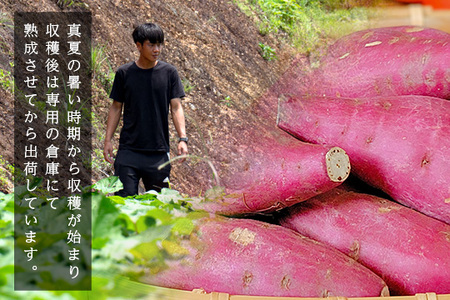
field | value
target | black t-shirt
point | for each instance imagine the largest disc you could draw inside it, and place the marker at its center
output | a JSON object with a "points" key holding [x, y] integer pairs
{"points": [[146, 94]]}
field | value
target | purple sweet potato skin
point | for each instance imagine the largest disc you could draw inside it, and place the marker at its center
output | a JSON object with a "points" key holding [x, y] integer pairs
{"points": [[409, 250], [398, 144], [402, 60], [275, 172], [249, 257]]}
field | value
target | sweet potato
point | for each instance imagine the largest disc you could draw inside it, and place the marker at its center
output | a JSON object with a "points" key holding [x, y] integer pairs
{"points": [[250, 257], [399, 144], [402, 60], [273, 170], [409, 250]]}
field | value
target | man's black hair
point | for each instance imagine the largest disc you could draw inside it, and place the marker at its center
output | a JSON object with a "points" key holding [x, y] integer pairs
{"points": [[148, 31]]}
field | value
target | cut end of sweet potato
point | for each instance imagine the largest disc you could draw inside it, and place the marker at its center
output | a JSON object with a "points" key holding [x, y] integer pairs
{"points": [[385, 292], [338, 164]]}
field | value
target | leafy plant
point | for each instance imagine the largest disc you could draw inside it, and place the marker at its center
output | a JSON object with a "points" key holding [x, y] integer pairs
{"points": [[267, 52], [143, 230], [7, 80], [6, 172], [227, 101], [188, 87], [282, 14], [5, 20], [305, 24], [98, 58], [128, 235], [69, 3], [101, 67]]}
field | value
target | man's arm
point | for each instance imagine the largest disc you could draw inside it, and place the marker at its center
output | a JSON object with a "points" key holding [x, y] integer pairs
{"points": [[179, 122], [114, 114]]}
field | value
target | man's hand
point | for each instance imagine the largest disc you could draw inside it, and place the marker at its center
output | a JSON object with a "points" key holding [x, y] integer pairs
{"points": [[179, 122], [182, 149], [113, 120], [108, 152]]}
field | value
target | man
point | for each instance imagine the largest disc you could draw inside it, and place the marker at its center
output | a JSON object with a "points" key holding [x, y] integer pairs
{"points": [[147, 89]]}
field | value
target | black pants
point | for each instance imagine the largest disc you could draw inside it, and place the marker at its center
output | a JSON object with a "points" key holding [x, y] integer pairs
{"points": [[131, 166]]}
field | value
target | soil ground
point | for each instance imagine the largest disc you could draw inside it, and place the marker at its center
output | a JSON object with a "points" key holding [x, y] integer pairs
{"points": [[214, 46]]}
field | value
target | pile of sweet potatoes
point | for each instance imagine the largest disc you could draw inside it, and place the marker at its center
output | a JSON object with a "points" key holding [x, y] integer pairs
{"points": [[379, 97]]}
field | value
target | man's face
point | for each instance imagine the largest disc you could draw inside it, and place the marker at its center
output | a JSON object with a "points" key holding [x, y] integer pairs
{"points": [[149, 50]]}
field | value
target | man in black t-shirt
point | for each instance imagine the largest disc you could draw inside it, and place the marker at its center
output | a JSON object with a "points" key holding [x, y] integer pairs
{"points": [[147, 90]]}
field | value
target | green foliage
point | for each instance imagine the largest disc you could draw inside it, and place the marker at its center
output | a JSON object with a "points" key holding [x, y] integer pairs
{"points": [[281, 14], [99, 164], [321, 26], [227, 101], [70, 3], [7, 80], [267, 52], [101, 67], [98, 58], [307, 24], [110, 185], [144, 230], [188, 87], [129, 235], [5, 20], [6, 172], [6, 216], [340, 4]]}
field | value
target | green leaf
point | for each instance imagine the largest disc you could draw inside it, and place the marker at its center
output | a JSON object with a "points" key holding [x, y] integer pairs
{"points": [[104, 215], [145, 251], [99, 243], [183, 226], [174, 249], [146, 196], [134, 209], [9, 204], [155, 233], [3, 280], [168, 195], [125, 222], [118, 246], [6, 197], [145, 222], [4, 271], [163, 216], [117, 199], [108, 185], [6, 216]]}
